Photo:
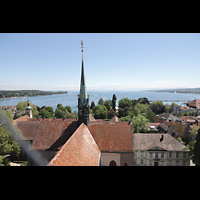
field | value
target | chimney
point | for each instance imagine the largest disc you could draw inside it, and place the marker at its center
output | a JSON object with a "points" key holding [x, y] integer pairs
{"points": [[162, 137]]}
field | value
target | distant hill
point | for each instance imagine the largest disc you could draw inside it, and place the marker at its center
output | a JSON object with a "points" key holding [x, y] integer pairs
{"points": [[26, 93], [184, 90]]}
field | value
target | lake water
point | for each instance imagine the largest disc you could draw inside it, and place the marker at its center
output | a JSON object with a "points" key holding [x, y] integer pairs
{"points": [[71, 98]]}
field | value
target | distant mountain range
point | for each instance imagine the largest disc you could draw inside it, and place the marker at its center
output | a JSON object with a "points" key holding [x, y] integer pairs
{"points": [[184, 90]]}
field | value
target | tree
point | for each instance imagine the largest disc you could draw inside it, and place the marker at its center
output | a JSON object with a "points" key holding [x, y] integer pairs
{"points": [[60, 111], [157, 107], [151, 115], [7, 144], [139, 123], [111, 113], [114, 98], [100, 112], [101, 102], [143, 100], [134, 102], [135, 112], [196, 150], [21, 106], [68, 108], [121, 113], [46, 112], [142, 107], [107, 104], [125, 102], [92, 105]]}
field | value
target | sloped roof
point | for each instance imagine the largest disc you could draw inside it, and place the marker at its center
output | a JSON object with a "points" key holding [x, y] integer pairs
{"points": [[153, 124], [114, 119], [188, 119], [50, 131], [145, 141], [23, 118], [80, 150], [112, 137], [28, 128], [169, 128], [195, 103], [91, 118], [167, 117]]}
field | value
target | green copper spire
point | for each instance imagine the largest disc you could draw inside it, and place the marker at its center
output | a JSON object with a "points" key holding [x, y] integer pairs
{"points": [[83, 100], [83, 92]]}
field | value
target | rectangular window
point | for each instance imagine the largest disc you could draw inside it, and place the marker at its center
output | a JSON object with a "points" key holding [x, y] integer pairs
{"points": [[135, 162], [142, 153], [156, 155], [162, 155], [150, 155], [150, 163], [170, 154], [162, 163], [177, 154], [170, 163], [184, 155]]}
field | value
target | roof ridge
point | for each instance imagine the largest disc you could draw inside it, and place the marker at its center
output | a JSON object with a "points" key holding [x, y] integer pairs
{"points": [[80, 149]]}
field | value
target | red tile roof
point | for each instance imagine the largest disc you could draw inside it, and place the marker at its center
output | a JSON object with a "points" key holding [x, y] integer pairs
{"points": [[28, 128], [49, 132], [186, 108], [188, 119], [80, 150], [112, 137], [195, 103], [23, 118]]}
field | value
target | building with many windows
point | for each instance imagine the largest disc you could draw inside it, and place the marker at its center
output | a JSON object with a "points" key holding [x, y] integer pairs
{"points": [[159, 150]]}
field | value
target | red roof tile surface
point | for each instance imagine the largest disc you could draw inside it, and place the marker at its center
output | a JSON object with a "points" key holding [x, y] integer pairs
{"points": [[80, 150], [195, 103], [23, 118], [28, 128], [49, 132], [112, 137]]}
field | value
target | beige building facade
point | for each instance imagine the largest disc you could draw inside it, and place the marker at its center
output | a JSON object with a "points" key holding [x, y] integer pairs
{"points": [[159, 150]]}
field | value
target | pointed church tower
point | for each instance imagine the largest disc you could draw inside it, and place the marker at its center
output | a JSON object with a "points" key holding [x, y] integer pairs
{"points": [[83, 100]]}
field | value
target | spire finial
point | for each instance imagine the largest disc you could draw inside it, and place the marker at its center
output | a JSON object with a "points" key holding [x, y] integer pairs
{"points": [[82, 45]]}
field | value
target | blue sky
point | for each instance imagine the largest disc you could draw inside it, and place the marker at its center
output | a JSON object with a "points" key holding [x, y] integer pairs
{"points": [[113, 61]]}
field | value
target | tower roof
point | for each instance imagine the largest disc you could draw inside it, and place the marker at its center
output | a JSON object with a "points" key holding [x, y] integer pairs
{"points": [[28, 107], [83, 92]]}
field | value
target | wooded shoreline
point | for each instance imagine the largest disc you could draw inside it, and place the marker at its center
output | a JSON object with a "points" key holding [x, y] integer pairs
{"points": [[7, 94]]}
